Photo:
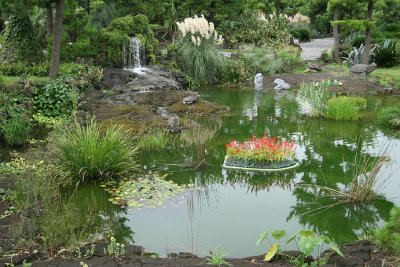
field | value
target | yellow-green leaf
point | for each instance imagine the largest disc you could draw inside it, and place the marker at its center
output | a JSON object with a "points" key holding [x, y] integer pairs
{"points": [[271, 252]]}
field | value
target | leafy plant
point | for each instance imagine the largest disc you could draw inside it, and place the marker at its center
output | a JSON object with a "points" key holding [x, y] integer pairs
{"points": [[388, 237], [385, 54], [154, 140], [88, 153], [114, 248], [16, 130], [313, 98], [58, 98], [306, 240], [217, 258], [344, 107], [390, 116], [355, 55]]}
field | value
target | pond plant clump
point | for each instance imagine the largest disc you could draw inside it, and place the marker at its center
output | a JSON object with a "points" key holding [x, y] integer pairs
{"points": [[262, 153]]}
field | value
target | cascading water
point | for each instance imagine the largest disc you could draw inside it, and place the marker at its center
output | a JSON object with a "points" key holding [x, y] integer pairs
{"points": [[132, 54]]}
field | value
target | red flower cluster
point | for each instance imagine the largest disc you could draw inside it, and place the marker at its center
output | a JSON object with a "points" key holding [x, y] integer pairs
{"points": [[261, 149]]}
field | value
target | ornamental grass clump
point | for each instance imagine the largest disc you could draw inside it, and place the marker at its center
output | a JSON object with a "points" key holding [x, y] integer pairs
{"points": [[344, 107], [198, 53], [91, 153], [261, 152], [313, 98]]}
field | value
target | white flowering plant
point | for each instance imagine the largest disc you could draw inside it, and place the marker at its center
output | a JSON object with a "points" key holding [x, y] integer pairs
{"points": [[198, 53]]}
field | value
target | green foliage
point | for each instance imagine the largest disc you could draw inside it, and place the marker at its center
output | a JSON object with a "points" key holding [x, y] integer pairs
{"points": [[302, 34], [386, 55], [15, 130], [390, 117], [203, 63], [56, 99], [235, 71], [388, 237], [154, 140], [307, 241], [313, 98], [217, 258], [82, 76], [355, 55], [21, 41], [87, 153], [264, 60], [20, 68], [388, 77], [344, 107], [119, 32]]}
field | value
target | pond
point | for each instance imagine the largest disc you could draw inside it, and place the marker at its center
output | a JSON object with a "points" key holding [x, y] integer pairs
{"points": [[229, 209]]}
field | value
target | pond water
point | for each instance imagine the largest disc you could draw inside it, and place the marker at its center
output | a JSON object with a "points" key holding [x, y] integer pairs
{"points": [[233, 208]]}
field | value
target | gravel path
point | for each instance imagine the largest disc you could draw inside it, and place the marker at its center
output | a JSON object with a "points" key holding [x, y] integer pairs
{"points": [[312, 50]]}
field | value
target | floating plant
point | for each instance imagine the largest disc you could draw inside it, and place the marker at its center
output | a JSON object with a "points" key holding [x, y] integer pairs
{"points": [[145, 191]]}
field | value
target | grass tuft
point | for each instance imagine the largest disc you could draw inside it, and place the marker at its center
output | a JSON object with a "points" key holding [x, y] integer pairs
{"points": [[344, 107], [87, 153], [154, 140]]}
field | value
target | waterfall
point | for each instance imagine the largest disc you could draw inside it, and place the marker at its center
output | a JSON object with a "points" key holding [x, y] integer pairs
{"points": [[132, 55]]}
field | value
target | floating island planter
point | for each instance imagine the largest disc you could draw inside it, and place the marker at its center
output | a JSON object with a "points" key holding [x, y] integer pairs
{"points": [[266, 154]]}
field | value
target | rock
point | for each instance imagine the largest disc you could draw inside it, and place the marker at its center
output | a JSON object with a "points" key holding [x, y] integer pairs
{"points": [[347, 261], [258, 81], [172, 255], [191, 99], [186, 255], [388, 90], [314, 67], [173, 124]]}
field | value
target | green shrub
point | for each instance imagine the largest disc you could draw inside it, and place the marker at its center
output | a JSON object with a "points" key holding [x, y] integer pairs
{"points": [[344, 107], [16, 130], [58, 98], [118, 33], [388, 237], [20, 68], [83, 76], [390, 117], [21, 41], [235, 71], [155, 140], [302, 34], [290, 59], [385, 54], [87, 153]]}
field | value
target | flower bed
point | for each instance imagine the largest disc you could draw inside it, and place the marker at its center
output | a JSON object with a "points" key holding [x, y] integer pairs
{"points": [[260, 154]]}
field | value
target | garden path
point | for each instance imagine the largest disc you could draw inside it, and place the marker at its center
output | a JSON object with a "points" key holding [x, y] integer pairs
{"points": [[312, 50]]}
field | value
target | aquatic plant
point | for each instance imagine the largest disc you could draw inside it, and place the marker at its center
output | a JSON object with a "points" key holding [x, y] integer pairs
{"points": [[313, 98], [217, 258], [198, 53], [390, 116], [150, 190], [306, 240], [154, 140], [344, 107], [87, 153], [261, 149]]}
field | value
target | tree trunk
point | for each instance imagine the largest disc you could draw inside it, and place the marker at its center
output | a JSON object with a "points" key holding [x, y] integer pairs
{"points": [[50, 28], [55, 55], [368, 33], [277, 7], [87, 6], [336, 37]]}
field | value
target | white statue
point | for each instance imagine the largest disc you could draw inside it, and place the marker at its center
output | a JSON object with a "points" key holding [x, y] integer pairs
{"points": [[281, 84], [258, 81]]}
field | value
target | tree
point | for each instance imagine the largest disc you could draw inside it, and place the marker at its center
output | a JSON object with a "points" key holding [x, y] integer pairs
{"points": [[368, 32], [55, 54]]}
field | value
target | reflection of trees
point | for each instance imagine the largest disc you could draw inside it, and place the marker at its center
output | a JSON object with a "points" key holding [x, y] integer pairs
{"points": [[344, 222], [106, 218]]}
